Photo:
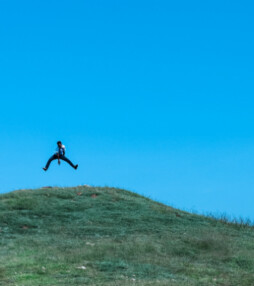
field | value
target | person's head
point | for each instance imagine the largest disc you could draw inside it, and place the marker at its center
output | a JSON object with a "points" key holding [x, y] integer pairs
{"points": [[59, 143]]}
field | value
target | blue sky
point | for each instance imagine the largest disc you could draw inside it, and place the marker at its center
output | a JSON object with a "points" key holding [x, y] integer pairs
{"points": [[152, 96]]}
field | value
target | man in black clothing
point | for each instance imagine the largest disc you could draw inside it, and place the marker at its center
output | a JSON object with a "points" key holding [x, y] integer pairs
{"points": [[59, 154]]}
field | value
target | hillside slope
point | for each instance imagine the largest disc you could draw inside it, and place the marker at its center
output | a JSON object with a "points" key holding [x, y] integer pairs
{"points": [[106, 236]]}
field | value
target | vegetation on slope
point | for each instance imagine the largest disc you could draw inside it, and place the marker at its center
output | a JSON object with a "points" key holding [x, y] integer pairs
{"points": [[106, 236]]}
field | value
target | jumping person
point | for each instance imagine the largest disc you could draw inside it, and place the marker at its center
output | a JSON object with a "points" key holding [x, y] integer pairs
{"points": [[59, 154]]}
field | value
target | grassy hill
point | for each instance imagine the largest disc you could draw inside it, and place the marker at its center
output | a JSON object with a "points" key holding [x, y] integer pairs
{"points": [[106, 236]]}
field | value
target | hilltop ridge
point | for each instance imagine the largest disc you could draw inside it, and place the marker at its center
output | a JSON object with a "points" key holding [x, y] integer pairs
{"points": [[106, 236]]}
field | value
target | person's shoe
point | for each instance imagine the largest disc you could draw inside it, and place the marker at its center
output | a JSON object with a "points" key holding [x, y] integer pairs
{"points": [[76, 167], [45, 169]]}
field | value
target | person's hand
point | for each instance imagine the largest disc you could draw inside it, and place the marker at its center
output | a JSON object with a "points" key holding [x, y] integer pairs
{"points": [[59, 162]]}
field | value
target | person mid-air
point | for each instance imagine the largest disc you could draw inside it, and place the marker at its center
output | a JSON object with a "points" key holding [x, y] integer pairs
{"points": [[59, 154]]}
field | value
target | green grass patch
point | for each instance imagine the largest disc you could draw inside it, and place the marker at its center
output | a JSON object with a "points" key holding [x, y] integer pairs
{"points": [[107, 236]]}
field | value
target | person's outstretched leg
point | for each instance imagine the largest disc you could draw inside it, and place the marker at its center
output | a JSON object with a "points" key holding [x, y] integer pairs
{"points": [[68, 161], [54, 157]]}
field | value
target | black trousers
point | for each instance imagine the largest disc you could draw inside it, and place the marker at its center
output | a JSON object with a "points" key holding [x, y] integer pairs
{"points": [[62, 157]]}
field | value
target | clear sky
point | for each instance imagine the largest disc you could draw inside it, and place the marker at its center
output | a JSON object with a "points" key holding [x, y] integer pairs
{"points": [[152, 96]]}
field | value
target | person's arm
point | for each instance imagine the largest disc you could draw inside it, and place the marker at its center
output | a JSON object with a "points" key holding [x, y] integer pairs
{"points": [[58, 156]]}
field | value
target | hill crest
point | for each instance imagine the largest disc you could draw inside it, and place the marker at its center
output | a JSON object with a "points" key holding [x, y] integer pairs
{"points": [[109, 236]]}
